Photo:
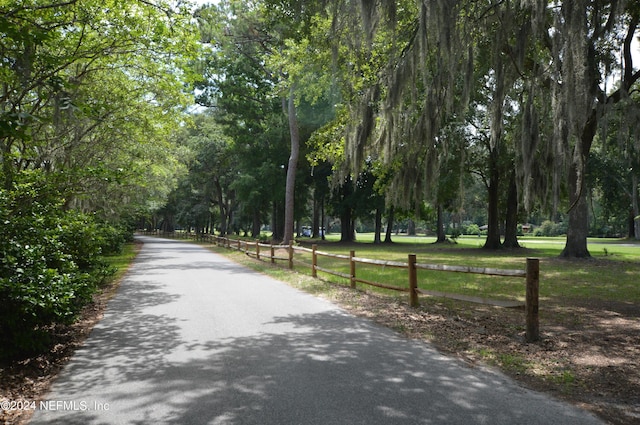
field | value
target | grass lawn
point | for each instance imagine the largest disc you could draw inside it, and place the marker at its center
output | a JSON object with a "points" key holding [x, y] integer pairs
{"points": [[613, 274]]}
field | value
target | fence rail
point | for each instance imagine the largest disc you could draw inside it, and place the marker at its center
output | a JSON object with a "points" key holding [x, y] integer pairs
{"points": [[274, 252]]}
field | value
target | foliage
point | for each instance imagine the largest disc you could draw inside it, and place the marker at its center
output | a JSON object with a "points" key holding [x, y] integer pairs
{"points": [[441, 94], [94, 89], [50, 261], [471, 229], [90, 94], [550, 228]]}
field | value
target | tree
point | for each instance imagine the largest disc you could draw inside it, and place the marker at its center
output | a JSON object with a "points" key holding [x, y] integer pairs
{"points": [[208, 185], [263, 38], [411, 81], [584, 42], [89, 95], [613, 171], [86, 89], [289, 202]]}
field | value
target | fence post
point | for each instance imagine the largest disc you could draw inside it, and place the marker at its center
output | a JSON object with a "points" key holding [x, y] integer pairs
{"points": [[413, 281], [352, 268], [531, 303], [258, 249], [314, 260], [291, 254], [273, 254]]}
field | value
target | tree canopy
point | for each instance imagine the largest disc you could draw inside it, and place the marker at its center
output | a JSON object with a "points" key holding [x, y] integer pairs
{"points": [[444, 96], [90, 94]]}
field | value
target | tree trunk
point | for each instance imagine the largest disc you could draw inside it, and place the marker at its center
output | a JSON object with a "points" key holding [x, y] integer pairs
{"points": [[255, 226], [387, 236], [578, 229], [315, 222], [441, 235], [346, 232], [345, 210], [411, 228], [378, 223], [635, 206], [578, 226], [511, 222], [223, 222], [493, 230], [229, 218], [276, 222], [325, 227], [291, 170]]}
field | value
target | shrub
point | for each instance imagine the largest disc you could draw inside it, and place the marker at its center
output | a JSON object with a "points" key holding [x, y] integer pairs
{"points": [[472, 229], [50, 264], [113, 238], [550, 228]]}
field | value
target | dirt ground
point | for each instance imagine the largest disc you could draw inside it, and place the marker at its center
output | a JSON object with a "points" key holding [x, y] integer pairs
{"points": [[589, 354]]}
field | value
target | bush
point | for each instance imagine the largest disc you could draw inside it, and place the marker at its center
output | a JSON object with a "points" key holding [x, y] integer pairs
{"points": [[113, 238], [550, 228], [50, 264], [472, 229]]}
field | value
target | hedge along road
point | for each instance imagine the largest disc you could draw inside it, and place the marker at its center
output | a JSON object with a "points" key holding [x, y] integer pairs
{"points": [[193, 338]]}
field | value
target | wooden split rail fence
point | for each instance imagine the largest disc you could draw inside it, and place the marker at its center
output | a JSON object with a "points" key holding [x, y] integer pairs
{"points": [[275, 252]]}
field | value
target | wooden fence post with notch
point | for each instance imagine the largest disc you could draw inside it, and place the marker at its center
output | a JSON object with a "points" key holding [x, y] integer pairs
{"points": [[258, 249], [413, 281], [273, 254], [314, 260], [352, 268], [531, 303]]}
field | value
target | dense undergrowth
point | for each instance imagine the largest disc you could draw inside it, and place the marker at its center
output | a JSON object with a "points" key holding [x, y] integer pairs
{"points": [[51, 263]]}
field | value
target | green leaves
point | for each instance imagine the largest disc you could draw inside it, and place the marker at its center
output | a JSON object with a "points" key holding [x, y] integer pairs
{"points": [[93, 84], [50, 261]]}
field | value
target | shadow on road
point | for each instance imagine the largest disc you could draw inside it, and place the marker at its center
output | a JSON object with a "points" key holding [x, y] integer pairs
{"points": [[318, 373], [324, 367]]}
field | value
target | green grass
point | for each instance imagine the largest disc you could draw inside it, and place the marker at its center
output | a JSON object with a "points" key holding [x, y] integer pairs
{"points": [[122, 261], [612, 275]]}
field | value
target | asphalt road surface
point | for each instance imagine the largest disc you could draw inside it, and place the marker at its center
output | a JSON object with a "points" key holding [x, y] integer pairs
{"points": [[193, 338]]}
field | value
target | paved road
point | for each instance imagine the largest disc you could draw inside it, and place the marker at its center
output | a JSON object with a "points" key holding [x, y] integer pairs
{"points": [[192, 338]]}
